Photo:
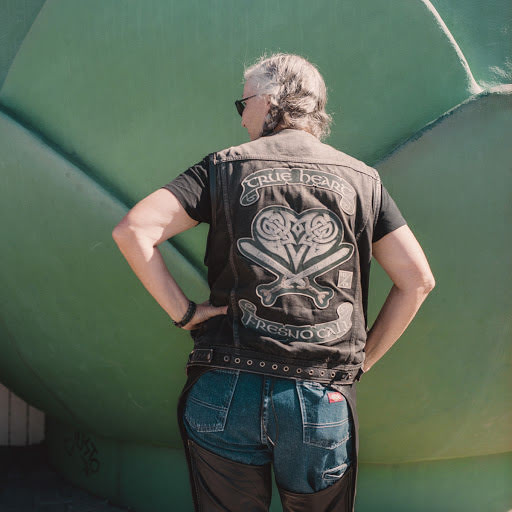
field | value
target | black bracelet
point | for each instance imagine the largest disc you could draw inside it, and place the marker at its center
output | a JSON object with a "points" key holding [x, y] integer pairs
{"points": [[188, 315]]}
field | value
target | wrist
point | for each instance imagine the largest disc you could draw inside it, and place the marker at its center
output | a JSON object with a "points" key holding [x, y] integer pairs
{"points": [[189, 314]]}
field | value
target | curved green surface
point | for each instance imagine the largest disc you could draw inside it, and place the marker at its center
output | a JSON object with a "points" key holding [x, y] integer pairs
{"points": [[483, 32], [103, 102], [454, 360], [140, 476], [141, 91], [16, 18], [126, 474], [136, 95], [71, 306]]}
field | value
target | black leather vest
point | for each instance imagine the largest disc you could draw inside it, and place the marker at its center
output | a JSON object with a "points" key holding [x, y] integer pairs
{"points": [[291, 231]]}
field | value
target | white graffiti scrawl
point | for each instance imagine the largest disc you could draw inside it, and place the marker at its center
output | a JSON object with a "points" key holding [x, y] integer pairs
{"points": [[296, 248]]}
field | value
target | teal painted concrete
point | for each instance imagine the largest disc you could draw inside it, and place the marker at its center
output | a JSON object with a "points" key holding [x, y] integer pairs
{"points": [[125, 474], [483, 32], [80, 325], [122, 89], [16, 18], [454, 361], [470, 484], [141, 476]]}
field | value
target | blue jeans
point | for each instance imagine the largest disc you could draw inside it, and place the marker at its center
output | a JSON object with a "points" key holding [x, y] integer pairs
{"points": [[304, 428]]}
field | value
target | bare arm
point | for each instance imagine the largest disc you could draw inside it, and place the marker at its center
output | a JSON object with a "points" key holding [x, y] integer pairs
{"points": [[150, 222], [401, 256]]}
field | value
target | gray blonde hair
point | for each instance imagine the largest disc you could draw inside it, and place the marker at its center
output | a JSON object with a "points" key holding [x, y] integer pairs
{"points": [[297, 93]]}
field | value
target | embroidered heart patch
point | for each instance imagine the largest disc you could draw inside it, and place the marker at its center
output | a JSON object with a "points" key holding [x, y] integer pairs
{"points": [[296, 248]]}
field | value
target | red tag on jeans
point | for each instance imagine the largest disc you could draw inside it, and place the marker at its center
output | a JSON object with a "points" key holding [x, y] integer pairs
{"points": [[335, 396]]}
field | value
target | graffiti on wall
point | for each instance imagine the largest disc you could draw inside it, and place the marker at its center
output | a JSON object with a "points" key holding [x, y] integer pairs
{"points": [[82, 446]]}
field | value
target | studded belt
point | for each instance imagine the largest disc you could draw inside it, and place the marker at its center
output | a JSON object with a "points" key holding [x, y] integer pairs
{"points": [[219, 358]]}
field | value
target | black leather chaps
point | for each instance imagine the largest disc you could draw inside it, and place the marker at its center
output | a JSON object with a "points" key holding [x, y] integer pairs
{"points": [[221, 485]]}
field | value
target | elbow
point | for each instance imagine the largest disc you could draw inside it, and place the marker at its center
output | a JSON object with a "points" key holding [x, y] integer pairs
{"points": [[427, 284], [418, 285], [128, 233], [430, 284], [116, 233], [121, 232]]}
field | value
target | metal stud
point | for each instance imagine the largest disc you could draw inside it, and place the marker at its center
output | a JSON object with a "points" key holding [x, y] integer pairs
{"points": [[333, 374], [262, 363], [274, 367], [226, 359], [237, 360], [322, 372], [249, 362], [285, 368], [299, 370], [311, 372]]}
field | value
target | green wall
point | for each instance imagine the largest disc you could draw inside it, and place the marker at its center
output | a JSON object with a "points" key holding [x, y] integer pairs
{"points": [[102, 102]]}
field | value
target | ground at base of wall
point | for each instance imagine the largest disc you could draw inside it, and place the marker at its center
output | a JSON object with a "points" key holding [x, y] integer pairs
{"points": [[29, 484]]}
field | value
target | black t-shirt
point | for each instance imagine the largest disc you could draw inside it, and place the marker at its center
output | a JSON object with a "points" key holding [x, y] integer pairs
{"points": [[192, 190], [389, 217]]}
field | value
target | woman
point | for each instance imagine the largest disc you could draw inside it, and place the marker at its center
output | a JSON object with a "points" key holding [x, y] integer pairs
{"points": [[282, 340]]}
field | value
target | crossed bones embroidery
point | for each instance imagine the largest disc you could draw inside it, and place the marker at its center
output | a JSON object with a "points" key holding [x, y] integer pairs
{"points": [[296, 248]]}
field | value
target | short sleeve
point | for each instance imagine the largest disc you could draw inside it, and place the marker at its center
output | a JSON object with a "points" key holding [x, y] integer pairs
{"points": [[192, 190], [389, 217]]}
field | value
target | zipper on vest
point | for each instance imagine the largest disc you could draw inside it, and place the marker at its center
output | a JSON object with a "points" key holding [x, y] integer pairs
{"points": [[232, 294]]}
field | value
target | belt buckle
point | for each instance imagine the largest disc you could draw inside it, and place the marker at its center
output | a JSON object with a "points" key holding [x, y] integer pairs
{"points": [[201, 355]]}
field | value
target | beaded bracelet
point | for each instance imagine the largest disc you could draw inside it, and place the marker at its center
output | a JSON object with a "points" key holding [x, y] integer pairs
{"points": [[188, 315]]}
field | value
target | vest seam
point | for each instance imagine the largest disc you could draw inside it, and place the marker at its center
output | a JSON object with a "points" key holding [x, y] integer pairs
{"points": [[232, 292], [355, 313], [359, 233], [298, 160]]}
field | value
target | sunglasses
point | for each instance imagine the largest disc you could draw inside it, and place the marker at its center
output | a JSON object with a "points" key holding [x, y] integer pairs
{"points": [[240, 104]]}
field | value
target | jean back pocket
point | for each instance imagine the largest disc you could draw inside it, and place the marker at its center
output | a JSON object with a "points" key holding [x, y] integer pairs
{"points": [[209, 399], [325, 415]]}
